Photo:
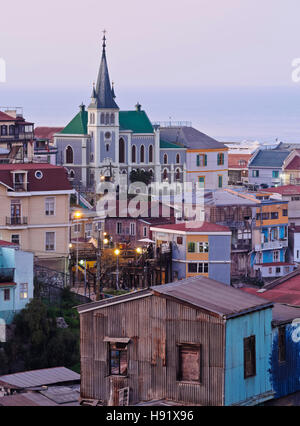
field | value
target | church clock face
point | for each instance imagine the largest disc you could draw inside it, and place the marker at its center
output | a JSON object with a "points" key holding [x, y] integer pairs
{"points": [[107, 135]]}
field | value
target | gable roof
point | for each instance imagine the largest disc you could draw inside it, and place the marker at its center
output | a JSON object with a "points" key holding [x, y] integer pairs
{"points": [[268, 158], [294, 164], [46, 132], [54, 177], [137, 121], [78, 125], [235, 159], [194, 227], [189, 137], [199, 292], [6, 117], [285, 190]]}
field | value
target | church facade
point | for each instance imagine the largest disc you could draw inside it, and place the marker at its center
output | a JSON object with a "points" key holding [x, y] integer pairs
{"points": [[103, 142]]}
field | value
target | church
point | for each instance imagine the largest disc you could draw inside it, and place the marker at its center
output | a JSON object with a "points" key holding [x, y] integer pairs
{"points": [[103, 143]]}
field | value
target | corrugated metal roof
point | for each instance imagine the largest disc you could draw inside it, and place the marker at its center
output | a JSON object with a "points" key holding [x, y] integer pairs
{"points": [[269, 158], [212, 296], [47, 376], [284, 314]]}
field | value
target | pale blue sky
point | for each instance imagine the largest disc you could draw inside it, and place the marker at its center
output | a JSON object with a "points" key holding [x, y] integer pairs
{"points": [[151, 43]]}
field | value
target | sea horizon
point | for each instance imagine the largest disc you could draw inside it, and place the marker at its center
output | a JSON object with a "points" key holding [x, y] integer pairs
{"points": [[229, 114]]}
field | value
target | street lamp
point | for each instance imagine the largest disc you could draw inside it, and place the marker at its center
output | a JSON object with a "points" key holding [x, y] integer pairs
{"points": [[117, 253], [77, 216], [139, 250]]}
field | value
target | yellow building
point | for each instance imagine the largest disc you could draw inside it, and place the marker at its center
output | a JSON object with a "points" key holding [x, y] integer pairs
{"points": [[34, 210]]}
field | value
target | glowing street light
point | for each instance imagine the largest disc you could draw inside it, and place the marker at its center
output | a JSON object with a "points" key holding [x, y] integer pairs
{"points": [[117, 253], [139, 250]]}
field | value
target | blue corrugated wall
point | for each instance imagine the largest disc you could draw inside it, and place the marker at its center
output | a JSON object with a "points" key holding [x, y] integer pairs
{"points": [[254, 389]]}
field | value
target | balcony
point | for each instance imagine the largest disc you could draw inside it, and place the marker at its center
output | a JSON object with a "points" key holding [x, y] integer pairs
{"points": [[272, 245], [241, 246], [16, 221], [7, 275]]}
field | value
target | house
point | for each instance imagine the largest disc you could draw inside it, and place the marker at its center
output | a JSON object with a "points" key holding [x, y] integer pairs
{"points": [[291, 170], [290, 193], [238, 168], [195, 341], [34, 211], [266, 167], [44, 150], [270, 239], [16, 282], [237, 210], [294, 244], [197, 249], [16, 135]]}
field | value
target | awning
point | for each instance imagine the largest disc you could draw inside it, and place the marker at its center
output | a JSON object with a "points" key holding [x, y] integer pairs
{"points": [[116, 339]]}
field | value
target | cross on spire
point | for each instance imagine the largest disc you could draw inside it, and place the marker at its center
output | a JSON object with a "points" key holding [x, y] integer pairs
{"points": [[104, 39]]}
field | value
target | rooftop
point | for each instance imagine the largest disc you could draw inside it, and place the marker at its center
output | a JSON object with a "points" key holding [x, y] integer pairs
{"points": [[199, 292], [189, 137], [268, 158], [194, 227], [285, 190], [238, 161]]}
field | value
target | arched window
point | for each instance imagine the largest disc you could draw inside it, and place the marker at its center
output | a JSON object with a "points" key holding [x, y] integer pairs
{"points": [[102, 118], [112, 118], [177, 175], [178, 159], [165, 175], [165, 159], [72, 174], [107, 118], [142, 156], [151, 154], [133, 154], [121, 151], [69, 155]]}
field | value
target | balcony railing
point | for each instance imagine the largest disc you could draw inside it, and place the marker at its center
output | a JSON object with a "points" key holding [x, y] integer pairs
{"points": [[6, 275], [16, 220], [270, 245]]}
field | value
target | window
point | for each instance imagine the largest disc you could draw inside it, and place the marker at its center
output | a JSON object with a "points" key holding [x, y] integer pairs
{"points": [[191, 247], [145, 231], [281, 344], [151, 154], [88, 230], [15, 239], [177, 174], [132, 229], [192, 268], [179, 240], [133, 154], [107, 135], [38, 174], [220, 181], [77, 228], [274, 215], [165, 174], [6, 294], [220, 159], [72, 175], [249, 357], [107, 118], [202, 181], [276, 256], [265, 216], [201, 160], [278, 270], [118, 359], [203, 268], [24, 291], [49, 206], [275, 174], [284, 212], [121, 151], [119, 228], [165, 159], [112, 118], [189, 363], [107, 147], [270, 271], [142, 154], [69, 155], [255, 173], [177, 158], [50, 241], [3, 130], [102, 119], [203, 247]]}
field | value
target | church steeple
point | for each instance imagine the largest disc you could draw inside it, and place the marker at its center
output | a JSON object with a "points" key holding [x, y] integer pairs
{"points": [[103, 94]]}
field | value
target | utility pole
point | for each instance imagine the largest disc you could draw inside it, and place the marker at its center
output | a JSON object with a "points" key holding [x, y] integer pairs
{"points": [[98, 279]]}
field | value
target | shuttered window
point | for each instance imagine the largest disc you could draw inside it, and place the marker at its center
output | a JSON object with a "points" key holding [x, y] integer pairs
{"points": [[189, 363], [249, 357]]}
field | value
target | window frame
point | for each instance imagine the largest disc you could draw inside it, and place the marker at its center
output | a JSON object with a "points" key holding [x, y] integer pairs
{"points": [[179, 373], [109, 356], [54, 243], [47, 203], [250, 342]]}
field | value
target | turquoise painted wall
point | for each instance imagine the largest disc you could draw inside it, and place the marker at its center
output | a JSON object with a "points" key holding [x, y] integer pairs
{"points": [[237, 389]]}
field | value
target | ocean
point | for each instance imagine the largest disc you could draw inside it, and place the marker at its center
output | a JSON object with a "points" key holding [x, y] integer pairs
{"points": [[225, 113]]}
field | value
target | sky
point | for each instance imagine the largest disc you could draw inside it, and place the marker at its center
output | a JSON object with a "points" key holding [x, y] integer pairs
{"points": [[150, 43], [211, 62]]}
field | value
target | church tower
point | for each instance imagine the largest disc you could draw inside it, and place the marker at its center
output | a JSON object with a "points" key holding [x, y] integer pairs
{"points": [[103, 124]]}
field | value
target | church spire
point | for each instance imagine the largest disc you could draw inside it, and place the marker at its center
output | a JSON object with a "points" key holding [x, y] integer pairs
{"points": [[103, 95]]}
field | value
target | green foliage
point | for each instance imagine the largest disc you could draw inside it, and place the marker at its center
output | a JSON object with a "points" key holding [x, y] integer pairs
{"points": [[140, 176], [37, 342]]}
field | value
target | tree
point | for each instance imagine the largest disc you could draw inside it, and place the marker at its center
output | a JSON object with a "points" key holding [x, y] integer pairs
{"points": [[140, 176]]}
